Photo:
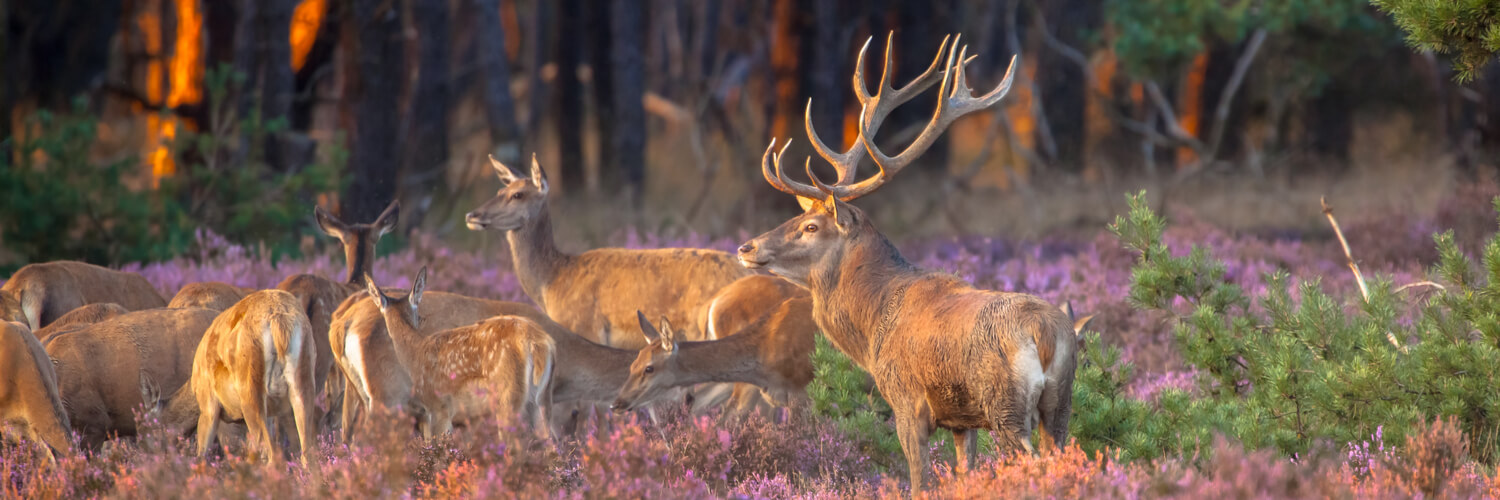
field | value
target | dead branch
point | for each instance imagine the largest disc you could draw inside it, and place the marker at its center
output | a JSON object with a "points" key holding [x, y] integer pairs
{"points": [[1359, 278]]}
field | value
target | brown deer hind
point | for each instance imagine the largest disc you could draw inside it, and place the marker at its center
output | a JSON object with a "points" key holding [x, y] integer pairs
{"points": [[504, 364], [597, 293], [38, 294], [943, 353], [29, 402]]}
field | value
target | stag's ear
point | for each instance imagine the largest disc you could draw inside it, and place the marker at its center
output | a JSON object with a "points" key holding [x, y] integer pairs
{"points": [[387, 220], [506, 175], [374, 291], [330, 225], [646, 327], [418, 286], [842, 213], [806, 203], [668, 336], [538, 175]]}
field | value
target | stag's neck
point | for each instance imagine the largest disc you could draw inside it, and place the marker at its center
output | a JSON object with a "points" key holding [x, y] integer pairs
{"points": [[733, 359], [592, 372], [857, 294], [535, 255]]}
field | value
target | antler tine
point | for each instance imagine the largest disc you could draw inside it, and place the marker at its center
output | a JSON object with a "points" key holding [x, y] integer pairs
{"points": [[952, 104], [770, 167]]}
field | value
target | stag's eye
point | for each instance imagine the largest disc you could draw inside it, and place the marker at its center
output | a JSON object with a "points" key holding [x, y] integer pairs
{"points": [[650, 368], [810, 228], [517, 196]]}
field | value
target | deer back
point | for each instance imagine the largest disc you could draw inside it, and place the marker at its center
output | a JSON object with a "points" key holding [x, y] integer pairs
{"points": [[215, 295], [29, 389], [49, 290]]}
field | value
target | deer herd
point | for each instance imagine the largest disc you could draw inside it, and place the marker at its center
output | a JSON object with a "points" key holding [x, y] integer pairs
{"points": [[84, 348]]}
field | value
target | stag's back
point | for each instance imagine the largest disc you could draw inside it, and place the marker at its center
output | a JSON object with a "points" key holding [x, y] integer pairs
{"points": [[599, 295], [28, 389], [49, 290]]}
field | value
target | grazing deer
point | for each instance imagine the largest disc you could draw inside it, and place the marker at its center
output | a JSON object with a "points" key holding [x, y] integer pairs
{"points": [[39, 294], [773, 353], [320, 296], [1080, 325], [504, 364], [99, 365], [29, 403], [596, 293], [943, 353], [86, 315], [215, 295], [255, 364]]}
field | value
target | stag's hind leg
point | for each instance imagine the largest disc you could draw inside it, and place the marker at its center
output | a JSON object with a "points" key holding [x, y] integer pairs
{"points": [[1010, 414], [1056, 409]]}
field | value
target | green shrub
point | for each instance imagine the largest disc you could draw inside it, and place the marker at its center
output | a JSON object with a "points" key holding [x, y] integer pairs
{"points": [[1292, 371]]}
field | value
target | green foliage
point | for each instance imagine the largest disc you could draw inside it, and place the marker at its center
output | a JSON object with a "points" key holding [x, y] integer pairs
{"points": [[1470, 29], [1301, 368], [1155, 38], [56, 203], [841, 391]]}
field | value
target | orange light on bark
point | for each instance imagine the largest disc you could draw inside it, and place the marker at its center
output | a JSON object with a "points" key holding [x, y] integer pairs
{"points": [[1190, 106], [305, 23]]}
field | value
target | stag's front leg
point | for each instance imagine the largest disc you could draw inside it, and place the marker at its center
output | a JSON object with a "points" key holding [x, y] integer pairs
{"points": [[912, 429], [966, 446]]}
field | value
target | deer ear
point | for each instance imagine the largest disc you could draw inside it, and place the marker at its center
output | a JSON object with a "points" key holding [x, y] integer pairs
{"points": [[418, 286], [330, 225], [374, 291], [806, 203], [538, 175], [668, 335], [842, 213], [505, 173], [1082, 325], [387, 220], [646, 327], [1067, 308]]}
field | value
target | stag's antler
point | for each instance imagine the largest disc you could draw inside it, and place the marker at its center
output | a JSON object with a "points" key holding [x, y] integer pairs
{"points": [[955, 99]]}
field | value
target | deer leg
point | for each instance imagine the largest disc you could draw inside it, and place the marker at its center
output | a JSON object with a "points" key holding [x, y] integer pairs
{"points": [[1055, 418], [208, 422], [913, 428], [350, 412], [1008, 416], [304, 411], [966, 446]]}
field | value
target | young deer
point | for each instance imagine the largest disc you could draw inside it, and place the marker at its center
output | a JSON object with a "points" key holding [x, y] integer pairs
{"points": [[39, 294], [320, 297], [255, 364], [773, 353], [503, 364], [213, 295], [29, 403], [596, 293], [98, 366], [943, 353]]}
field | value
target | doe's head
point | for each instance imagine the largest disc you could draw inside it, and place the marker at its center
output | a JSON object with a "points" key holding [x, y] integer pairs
{"points": [[405, 308], [520, 200], [359, 239], [654, 375]]}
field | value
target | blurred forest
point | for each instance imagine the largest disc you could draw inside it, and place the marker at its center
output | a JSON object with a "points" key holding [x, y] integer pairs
{"points": [[132, 123]]}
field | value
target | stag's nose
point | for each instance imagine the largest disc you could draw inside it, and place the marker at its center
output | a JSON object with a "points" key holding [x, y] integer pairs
{"points": [[747, 247]]}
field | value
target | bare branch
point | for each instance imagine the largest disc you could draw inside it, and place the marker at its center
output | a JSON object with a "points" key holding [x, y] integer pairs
{"points": [[1359, 278], [1241, 67]]}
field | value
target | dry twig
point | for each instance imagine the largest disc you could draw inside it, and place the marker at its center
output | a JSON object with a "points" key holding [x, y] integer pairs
{"points": [[1359, 278]]}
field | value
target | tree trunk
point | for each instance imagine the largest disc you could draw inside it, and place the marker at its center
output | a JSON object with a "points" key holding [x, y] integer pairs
{"points": [[426, 154], [375, 95], [921, 28], [1060, 82], [1221, 60], [568, 100], [276, 76], [824, 70], [600, 38], [499, 105], [627, 152], [539, 40]]}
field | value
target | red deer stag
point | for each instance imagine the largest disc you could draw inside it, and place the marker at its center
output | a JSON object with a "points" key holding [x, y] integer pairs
{"points": [[255, 364], [502, 365], [773, 353], [39, 294], [99, 366], [943, 353], [29, 403], [596, 293]]}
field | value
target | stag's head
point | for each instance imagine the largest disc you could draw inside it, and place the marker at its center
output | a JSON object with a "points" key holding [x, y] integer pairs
{"points": [[654, 374], [828, 224], [405, 308], [520, 200], [359, 239]]}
